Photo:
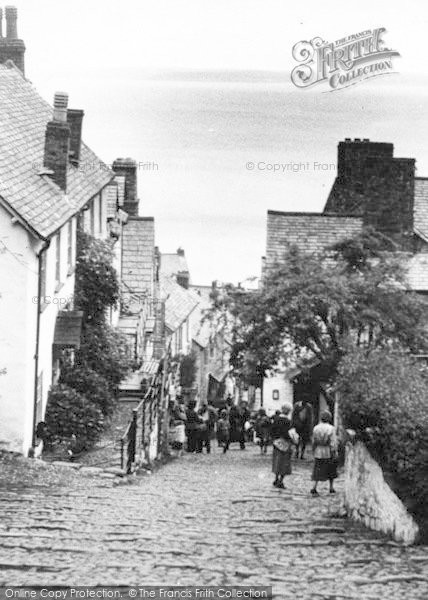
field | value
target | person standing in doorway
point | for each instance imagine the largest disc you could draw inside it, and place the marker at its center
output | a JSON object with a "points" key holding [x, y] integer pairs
{"points": [[324, 444]]}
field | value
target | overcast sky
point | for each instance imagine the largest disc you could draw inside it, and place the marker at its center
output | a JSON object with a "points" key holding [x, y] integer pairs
{"points": [[66, 37], [99, 51]]}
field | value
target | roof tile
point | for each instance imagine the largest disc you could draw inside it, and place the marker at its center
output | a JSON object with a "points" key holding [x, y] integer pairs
{"points": [[310, 232], [36, 198]]}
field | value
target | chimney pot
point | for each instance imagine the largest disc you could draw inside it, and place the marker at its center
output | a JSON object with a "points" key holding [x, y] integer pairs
{"points": [[57, 142], [11, 22], [60, 107], [11, 48]]}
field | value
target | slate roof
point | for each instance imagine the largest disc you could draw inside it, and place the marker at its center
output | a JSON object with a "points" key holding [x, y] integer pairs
{"points": [[36, 198], [172, 264], [202, 330], [179, 302], [420, 208], [138, 254], [310, 232]]}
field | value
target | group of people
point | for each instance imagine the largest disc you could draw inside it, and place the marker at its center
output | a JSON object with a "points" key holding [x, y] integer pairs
{"points": [[289, 430], [324, 446], [301, 421], [201, 425]]}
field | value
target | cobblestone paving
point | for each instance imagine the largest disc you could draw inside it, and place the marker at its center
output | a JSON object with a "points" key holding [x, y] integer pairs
{"points": [[200, 520]]}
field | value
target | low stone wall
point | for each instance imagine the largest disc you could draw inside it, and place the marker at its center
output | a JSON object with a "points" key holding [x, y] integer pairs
{"points": [[370, 500]]}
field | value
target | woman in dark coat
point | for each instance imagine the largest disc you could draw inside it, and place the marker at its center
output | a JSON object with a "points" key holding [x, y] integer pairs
{"points": [[193, 424], [238, 415], [281, 458]]}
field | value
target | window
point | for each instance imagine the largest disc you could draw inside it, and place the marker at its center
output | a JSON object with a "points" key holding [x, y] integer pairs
{"points": [[180, 338], [70, 245], [58, 259], [275, 394]]}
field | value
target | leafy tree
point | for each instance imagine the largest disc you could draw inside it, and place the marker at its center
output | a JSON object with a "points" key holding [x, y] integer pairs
{"points": [[313, 308]]}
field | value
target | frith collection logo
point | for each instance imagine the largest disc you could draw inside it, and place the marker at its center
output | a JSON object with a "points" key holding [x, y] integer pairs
{"points": [[344, 62]]}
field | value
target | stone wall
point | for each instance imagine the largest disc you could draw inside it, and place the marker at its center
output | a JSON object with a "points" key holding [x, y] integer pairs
{"points": [[370, 500]]}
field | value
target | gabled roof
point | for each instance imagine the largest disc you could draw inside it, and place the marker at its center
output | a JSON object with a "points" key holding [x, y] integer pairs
{"points": [[310, 232], [179, 302], [420, 208], [138, 254], [41, 204]]}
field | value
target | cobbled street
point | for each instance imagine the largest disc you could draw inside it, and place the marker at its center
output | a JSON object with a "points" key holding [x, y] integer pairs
{"points": [[202, 520]]}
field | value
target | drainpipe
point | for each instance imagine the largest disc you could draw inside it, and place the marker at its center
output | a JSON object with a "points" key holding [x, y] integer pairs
{"points": [[36, 355]]}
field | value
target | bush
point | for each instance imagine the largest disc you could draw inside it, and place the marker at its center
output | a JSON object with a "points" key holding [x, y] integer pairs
{"points": [[103, 350], [97, 286], [91, 384], [71, 418], [383, 397]]}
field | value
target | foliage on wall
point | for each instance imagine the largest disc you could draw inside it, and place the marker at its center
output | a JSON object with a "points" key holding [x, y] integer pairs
{"points": [[383, 397], [89, 385]]}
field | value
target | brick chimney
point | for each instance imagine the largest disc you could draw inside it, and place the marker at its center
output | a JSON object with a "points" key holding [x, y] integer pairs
{"points": [[373, 183], [11, 48], [128, 168], [74, 120], [57, 142]]}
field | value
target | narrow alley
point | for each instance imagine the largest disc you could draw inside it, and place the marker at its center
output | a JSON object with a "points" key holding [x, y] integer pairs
{"points": [[199, 520]]}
